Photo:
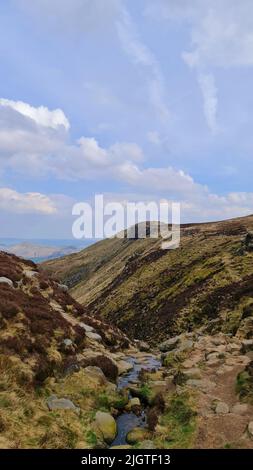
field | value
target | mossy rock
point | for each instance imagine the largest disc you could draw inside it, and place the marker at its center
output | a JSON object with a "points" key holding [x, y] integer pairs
{"points": [[136, 435], [107, 425]]}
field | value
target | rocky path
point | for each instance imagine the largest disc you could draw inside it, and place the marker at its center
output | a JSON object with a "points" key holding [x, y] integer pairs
{"points": [[209, 367]]}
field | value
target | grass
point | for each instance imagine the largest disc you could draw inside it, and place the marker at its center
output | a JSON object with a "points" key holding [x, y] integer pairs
{"points": [[244, 386], [180, 422]]}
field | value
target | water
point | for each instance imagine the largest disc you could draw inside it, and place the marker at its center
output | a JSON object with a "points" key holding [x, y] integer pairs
{"points": [[128, 421]]}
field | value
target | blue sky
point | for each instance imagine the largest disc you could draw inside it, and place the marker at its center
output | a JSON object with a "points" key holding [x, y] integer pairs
{"points": [[138, 100]]}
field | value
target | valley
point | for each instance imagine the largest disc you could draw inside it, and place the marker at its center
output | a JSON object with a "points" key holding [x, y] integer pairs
{"points": [[125, 345]]}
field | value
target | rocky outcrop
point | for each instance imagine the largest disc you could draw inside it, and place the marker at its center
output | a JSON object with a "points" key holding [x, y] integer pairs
{"points": [[107, 425]]}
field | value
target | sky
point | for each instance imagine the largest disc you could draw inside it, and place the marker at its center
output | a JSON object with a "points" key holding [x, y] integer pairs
{"points": [[136, 100]]}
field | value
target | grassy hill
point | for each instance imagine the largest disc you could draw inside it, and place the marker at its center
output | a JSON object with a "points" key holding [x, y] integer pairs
{"points": [[152, 293]]}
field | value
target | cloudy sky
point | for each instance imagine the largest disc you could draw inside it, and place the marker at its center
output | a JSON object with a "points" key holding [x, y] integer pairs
{"points": [[138, 100]]}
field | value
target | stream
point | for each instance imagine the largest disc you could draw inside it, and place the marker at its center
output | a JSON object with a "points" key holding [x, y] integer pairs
{"points": [[129, 420]]}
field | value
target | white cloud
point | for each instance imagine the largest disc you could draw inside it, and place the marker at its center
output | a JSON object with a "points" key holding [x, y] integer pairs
{"points": [[210, 100], [221, 33], [20, 203], [41, 115], [33, 149], [143, 58]]}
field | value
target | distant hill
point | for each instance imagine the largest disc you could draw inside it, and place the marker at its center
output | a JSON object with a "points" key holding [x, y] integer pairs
{"points": [[151, 293], [37, 252]]}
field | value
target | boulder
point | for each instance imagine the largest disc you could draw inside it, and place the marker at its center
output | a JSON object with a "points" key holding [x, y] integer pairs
{"points": [[63, 287], [143, 346], [247, 345], [68, 346], [134, 405], [97, 374], [137, 435], [185, 345], [55, 403], [30, 274], [94, 336], [6, 280], [203, 384], [169, 344], [107, 425], [221, 408], [250, 428], [124, 367], [87, 328]]}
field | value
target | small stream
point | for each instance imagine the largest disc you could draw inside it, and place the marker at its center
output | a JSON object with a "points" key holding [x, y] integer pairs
{"points": [[127, 421]]}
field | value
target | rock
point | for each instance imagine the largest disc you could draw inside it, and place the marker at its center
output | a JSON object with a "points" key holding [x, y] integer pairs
{"points": [[55, 403], [28, 273], [169, 344], [124, 367], [97, 374], [193, 373], [107, 425], [147, 444], [137, 435], [67, 342], [240, 409], [250, 428], [247, 345], [63, 287], [134, 402], [143, 346], [94, 336], [203, 384], [125, 446], [68, 346], [185, 345], [6, 280], [87, 328], [221, 408]]}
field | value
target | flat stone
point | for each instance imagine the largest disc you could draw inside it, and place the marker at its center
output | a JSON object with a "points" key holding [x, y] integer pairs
{"points": [[221, 408], [193, 373], [94, 336], [55, 403], [169, 344], [87, 328], [203, 384], [6, 280]]}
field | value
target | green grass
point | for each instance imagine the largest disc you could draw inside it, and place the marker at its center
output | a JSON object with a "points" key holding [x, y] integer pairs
{"points": [[91, 438], [180, 419]]}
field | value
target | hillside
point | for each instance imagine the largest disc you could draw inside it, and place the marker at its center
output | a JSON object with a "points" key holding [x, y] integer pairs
{"points": [[50, 383], [69, 380], [152, 293]]}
